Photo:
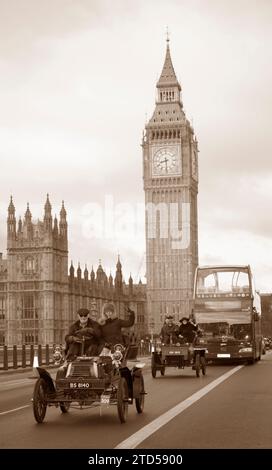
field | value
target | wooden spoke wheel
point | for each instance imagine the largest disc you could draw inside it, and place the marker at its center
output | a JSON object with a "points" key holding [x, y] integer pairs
{"points": [[122, 399], [39, 400]]}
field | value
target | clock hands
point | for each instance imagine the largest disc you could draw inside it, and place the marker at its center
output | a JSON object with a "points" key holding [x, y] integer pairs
{"points": [[164, 161]]}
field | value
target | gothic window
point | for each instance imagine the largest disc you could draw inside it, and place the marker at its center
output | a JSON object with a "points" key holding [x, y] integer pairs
{"points": [[28, 266], [2, 308], [29, 310]]}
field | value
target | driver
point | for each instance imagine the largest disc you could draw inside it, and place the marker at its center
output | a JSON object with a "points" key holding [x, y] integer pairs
{"points": [[86, 327], [111, 326]]}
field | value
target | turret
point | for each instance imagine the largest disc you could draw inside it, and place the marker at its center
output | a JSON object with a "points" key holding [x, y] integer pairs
{"points": [[86, 273], [72, 270], [28, 223], [55, 229], [47, 215], [118, 281], [79, 271], [11, 221]]}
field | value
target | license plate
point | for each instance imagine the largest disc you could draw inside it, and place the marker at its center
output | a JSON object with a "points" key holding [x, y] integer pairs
{"points": [[223, 355], [80, 385], [105, 399]]}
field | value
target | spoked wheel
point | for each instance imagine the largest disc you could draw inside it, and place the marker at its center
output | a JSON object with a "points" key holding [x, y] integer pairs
{"points": [[197, 365], [64, 406], [39, 400], [139, 402], [163, 371], [153, 367], [203, 364], [122, 399]]}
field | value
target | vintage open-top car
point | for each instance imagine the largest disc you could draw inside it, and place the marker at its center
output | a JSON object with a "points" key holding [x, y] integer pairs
{"points": [[108, 379], [179, 356]]}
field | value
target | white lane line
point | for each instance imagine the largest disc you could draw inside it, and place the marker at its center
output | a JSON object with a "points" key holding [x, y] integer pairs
{"points": [[133, 441], [15, 409]]}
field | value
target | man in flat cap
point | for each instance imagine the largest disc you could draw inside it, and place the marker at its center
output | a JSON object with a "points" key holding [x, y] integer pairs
{"points": [[169, 331], [83, 327]]}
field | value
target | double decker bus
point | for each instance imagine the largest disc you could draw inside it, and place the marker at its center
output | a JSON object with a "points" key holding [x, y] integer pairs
{"points": [[227, 309]]}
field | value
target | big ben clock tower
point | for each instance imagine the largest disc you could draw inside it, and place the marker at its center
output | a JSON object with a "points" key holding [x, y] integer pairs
{"points": [[170, 167]]}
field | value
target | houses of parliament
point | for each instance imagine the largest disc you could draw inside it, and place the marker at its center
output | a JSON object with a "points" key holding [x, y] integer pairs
{"points": [[40, 293]]}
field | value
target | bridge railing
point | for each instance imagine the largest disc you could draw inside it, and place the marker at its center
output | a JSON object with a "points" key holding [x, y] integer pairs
{"points": [[14, 357]]}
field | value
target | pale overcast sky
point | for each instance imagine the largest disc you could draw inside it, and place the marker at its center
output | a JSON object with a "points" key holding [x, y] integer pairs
{"points": [[77, 83]]}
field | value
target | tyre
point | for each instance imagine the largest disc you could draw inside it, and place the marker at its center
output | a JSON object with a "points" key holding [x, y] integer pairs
{"points": [[122, 399], [139, 402], [203, 364], [39, 400], [153, 367], [163, 371], [64, 406], [197, 365]]}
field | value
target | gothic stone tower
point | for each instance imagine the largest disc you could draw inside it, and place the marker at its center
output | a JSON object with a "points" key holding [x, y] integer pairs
{"points": [[170, 167], [37, 283]]}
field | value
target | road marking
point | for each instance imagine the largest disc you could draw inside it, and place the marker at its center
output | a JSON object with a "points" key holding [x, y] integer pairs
{"points": [[15, 409], [133, 441]]}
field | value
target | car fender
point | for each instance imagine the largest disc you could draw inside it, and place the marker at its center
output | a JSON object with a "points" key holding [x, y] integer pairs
{"points": [[125, 372], [43, 374]]}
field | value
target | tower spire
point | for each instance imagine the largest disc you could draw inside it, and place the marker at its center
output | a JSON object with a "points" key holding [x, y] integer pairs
{"points": [[168, 76]]}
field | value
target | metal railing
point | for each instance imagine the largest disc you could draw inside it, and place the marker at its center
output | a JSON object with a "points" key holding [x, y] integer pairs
{"points": [[15, 357]]}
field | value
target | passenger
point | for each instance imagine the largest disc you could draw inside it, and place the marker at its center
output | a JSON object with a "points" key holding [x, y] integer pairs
{"points": [[86, 327], [188, 330], [169, 331], [111, 326]]}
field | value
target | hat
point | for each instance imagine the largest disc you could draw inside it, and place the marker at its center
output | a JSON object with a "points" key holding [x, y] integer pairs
{"points": [[108, 306], [184, 318], [83, 312]]}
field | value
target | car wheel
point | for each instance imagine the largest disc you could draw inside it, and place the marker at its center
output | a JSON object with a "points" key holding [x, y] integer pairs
{"points": [[122, 399], [139, 402], [39, 400]]}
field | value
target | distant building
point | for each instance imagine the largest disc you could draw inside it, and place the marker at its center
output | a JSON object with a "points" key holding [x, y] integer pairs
{"points": [[266, 301], [38, 298]]}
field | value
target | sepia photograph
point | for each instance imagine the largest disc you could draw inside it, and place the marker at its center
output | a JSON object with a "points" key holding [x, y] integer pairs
{"points": [[135, 229]]}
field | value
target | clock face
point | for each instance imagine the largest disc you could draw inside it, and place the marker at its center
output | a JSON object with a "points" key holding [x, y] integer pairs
{"points": [[165, 162]]}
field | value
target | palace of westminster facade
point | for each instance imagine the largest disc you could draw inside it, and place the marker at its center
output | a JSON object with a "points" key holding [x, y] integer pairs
{"points": [[40, 294]]}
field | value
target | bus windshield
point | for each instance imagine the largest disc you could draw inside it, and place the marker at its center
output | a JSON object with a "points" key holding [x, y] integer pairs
{"points": [[218, 282]]}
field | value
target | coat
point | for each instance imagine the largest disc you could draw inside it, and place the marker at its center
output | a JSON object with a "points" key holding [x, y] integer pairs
{"points": [[76, 329], [111, 329], [188, 331]]}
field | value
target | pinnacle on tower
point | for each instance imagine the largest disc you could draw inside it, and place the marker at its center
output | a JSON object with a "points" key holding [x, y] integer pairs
{"points": [[11, 221], [20, 225], [63, 222], [72, 270], [168, 76], [86, 273], [47, 206], [79, 271], [11, 208], [28, 215], [47, 215], [55, 229], [63, 212]]}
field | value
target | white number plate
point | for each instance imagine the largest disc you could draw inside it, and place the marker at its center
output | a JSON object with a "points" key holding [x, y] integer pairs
{"points": [[223, 355], [105, 399]]}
